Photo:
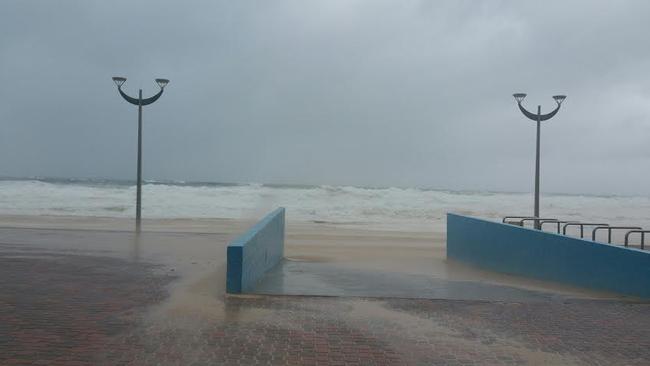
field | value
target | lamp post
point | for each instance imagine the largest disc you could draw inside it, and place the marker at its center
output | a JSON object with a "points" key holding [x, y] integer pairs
{"points": [[119, 81], [539, 117]]}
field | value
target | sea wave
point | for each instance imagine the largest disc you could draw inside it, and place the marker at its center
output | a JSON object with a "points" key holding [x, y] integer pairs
{"points": [[386, 207]]}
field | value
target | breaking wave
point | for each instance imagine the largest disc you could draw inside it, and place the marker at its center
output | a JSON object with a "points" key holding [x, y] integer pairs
{"points": [[386, 207]]}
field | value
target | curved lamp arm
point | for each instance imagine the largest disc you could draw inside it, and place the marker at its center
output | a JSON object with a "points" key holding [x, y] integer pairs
{"points": [[155, 98], [128, 98], [136, 101], [533, 116]]}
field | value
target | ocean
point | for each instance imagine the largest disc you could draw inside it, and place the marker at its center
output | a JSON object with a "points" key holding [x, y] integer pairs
{"points": [[389, 208]]}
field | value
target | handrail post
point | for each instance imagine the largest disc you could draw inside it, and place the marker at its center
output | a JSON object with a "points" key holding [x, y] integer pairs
{"points": [[593, 232], [581, 225], [642, 240], [610, 228], [640, 231], [549, 221]]}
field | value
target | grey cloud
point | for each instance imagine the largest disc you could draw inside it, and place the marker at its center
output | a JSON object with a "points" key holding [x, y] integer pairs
{"points": [[409, 93]]}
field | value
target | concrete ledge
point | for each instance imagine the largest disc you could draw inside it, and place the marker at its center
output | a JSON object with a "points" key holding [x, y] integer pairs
{"points": [[255, 252], [548, 256]]}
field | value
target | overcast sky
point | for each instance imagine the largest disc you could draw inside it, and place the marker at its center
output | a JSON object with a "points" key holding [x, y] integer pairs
{"points": [[354, 92]]}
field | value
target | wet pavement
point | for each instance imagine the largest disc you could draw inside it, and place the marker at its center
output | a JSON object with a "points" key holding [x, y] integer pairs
{"points": [[328, 279], [104, 298], [65, 309]]}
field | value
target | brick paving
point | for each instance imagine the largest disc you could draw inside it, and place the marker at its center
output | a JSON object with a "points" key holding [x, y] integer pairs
{"points": [[63, 309], [60, 309]]}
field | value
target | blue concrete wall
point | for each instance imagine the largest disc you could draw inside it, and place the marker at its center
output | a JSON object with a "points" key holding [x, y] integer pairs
{"points": [[255, 252], [548, 256]]}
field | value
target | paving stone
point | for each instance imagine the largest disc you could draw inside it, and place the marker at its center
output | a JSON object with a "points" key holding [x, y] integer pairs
{"points": [[89, 310]]}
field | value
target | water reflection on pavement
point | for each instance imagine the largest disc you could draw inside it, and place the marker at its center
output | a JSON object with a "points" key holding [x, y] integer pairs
{"points": [[88, 297]]}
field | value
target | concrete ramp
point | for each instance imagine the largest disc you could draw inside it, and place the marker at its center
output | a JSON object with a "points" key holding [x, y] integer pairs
{"points": [[329, 279]]}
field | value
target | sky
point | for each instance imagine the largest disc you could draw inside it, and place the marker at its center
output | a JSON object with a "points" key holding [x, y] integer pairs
{"points": [[343, 92]]}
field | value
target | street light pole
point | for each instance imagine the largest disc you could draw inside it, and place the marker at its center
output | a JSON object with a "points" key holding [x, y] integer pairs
{"points": [[119, 81], [539, 117], [539, 125], [138, 195]]}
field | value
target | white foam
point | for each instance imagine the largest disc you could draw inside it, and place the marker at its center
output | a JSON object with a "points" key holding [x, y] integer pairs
{"points": [[385, 207]]}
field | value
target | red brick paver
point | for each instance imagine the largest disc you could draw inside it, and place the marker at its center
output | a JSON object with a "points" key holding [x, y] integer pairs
{"points": [[88, 310], [63, 309]]}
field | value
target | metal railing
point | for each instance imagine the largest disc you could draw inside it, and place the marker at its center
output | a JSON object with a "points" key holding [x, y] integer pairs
{"points": [[643, 232], [507, 218], [609, 231], [540, 222], [520, 220], [582, 226], [536, 220], [554, 221]]}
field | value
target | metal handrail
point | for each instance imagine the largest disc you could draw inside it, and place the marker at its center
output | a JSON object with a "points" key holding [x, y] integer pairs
{"points": [[582, 227], [550, 221], [558, 222], [609, 231], [536, 219], [506, 218], [643, 232]]}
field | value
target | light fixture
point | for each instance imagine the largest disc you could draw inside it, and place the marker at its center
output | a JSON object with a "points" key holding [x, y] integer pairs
{"points": [[162, 82], [559, 98], [519, 97], [538, 117], [119, 80], [140, 102]]}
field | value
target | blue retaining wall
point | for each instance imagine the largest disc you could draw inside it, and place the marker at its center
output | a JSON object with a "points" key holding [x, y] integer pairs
{"points": [[548, 256], [255, 252]]}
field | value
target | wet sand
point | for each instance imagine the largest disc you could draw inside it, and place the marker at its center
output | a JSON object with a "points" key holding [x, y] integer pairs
{"points": [[404, 253], [195, 248]]}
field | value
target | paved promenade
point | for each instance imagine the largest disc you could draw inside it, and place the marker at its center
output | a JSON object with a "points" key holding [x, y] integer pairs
{"points": [[77, 307]]}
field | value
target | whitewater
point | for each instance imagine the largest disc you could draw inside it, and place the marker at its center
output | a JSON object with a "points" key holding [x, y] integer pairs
{"points": [[390, 208]]}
